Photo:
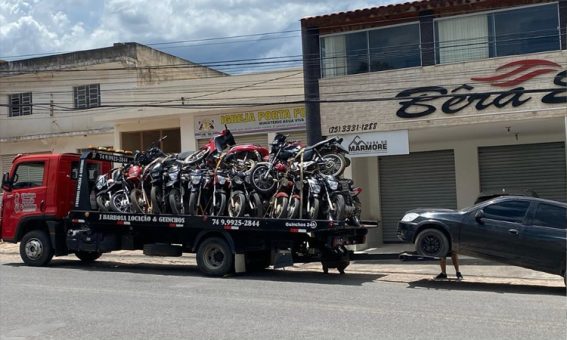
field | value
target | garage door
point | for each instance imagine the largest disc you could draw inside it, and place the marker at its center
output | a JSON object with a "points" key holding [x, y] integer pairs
{"points": [[417, 180], [537, 167]]}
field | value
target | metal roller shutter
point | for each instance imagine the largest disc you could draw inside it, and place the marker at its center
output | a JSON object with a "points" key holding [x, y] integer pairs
{"points": [[417, 180], [260, 139], [537, 167]]}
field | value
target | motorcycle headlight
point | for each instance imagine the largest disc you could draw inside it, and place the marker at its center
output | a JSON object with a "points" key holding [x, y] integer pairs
{"points": [[173, 176], [315, 187], [221, 180], [333, 184], [237, 180], [195, 179], [409, 217], [100, 182], [173, 168]]}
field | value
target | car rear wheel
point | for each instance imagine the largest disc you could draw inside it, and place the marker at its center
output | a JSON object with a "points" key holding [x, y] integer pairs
{"points": [[432, 242]]}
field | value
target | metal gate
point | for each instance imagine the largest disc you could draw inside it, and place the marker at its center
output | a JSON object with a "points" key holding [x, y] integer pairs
{"points": [[536, 167], [417, 180]]}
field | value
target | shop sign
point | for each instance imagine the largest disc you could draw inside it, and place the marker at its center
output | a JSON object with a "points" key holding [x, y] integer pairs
{"points": [[251, 121], [418, 102], [384, 143]]}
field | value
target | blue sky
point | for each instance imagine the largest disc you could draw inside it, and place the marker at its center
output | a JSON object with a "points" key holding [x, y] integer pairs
{"points": [[29, 27]]}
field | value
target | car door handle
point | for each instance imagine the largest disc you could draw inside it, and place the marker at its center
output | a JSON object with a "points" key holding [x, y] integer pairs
{"points": [[513, 231]]}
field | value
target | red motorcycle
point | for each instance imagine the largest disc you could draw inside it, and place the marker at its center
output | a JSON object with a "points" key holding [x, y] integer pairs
{"points": [[242, 157]]}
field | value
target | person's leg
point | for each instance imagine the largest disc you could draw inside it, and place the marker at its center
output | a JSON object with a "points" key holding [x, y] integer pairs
{"points": [[443, 264], [455, 259]]}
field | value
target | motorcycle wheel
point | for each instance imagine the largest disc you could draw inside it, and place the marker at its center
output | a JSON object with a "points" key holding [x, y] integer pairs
{"points": [[137, 201], [102, 202], [313, 211], [175, 202], [157, 199], [236, 204], [245, 161], [293, 208], [279, 209], [337, 213], [219, 208], [197, 156], [193, 204], [120, 202], [335, 164], [263, 186], [258, 210]]}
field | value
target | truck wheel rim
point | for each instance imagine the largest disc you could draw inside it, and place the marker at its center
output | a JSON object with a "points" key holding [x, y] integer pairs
{"points": [[34, 249], [214, 257]]}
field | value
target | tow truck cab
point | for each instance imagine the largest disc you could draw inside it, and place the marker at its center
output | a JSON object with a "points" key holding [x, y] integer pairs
{"points": [[39, 191]]}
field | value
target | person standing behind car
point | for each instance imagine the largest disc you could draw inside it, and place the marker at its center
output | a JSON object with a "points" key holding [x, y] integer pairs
{"points": [[443, 264]]}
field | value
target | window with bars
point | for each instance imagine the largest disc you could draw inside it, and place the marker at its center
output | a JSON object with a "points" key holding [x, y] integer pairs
{"points": [[20, 104], [87, 96]]}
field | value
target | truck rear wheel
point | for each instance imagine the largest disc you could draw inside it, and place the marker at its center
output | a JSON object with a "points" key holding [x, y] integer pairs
{"points": [[214, 257], [36, 249], [87, 256]]}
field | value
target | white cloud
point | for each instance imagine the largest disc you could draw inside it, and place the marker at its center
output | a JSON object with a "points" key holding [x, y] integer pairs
{"points": [[28, 26]]}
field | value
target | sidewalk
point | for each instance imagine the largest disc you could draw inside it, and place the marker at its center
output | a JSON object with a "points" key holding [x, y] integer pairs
{"points": [[388, 267]]}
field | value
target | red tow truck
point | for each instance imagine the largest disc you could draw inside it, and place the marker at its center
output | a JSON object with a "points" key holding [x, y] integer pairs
{"points": [[47, 207]]}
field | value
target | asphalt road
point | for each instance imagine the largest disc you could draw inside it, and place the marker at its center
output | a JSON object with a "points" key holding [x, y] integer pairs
{"points": [[116, 300]]}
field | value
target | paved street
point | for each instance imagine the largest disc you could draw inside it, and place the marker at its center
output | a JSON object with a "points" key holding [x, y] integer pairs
{"points": [[125, 296]]}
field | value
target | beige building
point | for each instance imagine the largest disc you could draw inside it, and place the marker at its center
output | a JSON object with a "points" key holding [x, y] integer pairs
{"points": [[440, 101], [129, 95]]}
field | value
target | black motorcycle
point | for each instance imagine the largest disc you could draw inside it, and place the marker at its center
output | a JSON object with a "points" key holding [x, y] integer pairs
{"points": [[244, 200]]}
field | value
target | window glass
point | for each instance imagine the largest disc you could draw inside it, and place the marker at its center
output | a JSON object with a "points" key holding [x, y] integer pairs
{"points": [[501, 33], [463, 38], [29, 175], [511, 211], [548, 215], [357, 52], [394, 47], [526, 30], [333, 55]]}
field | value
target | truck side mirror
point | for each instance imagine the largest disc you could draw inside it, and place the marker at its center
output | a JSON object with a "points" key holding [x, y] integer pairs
{"points": [[6, 183], [479, 216]]}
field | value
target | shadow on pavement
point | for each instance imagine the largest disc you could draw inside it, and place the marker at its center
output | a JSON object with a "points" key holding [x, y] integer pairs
{"points": [[189, 270], [488, 287]]}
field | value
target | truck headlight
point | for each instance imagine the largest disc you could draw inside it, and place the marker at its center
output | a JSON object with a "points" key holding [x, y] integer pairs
{"points": [[409, 217]]}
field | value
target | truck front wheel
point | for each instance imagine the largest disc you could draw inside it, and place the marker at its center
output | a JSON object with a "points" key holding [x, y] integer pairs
{"points": [[87, 256], [36, 249], [214, 257]]}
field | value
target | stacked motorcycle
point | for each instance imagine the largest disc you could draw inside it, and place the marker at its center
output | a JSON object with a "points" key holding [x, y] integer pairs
{"points": [[224, 179]]}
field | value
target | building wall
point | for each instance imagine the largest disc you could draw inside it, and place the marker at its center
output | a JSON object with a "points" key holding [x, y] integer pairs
{"points": [[375, 97]]}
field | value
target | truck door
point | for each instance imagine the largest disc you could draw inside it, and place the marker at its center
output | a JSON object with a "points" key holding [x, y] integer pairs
{"points": [[27, 197]]}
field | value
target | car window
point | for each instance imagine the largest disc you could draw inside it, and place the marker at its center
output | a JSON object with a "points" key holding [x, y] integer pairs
{"points": [[549, 215], [29, 175], [511, 211]]}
